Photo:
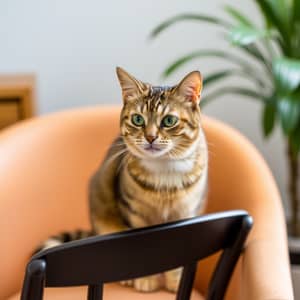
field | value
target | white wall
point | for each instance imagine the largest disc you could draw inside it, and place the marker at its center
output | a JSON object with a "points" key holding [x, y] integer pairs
{"points": [[73, 46]]}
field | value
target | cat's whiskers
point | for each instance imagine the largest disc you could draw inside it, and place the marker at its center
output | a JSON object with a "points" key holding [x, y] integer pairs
{"points": [[144, 144], [115, 156], [124, 162], [177, 151], [114, 145], [119, 144]]}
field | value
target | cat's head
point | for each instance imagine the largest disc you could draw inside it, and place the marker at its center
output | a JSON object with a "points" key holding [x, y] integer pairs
{"points": [[158, 121]]}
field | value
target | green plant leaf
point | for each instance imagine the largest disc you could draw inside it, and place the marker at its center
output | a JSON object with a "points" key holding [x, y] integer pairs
{"points": [[287, 74], [212, 78], [188, 17], [233, 90], [205, 53], [245, 35], [276, 14], [255, 53], [216, 76], [294, 140], [241, 19], [296, 10], [268, 118], [296, 38], [289, 112], [246, 38], [245, 24]]}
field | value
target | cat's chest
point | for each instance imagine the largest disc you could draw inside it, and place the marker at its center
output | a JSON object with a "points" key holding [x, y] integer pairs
{"points": [[155, 207], [167, 168], [163, 191]]}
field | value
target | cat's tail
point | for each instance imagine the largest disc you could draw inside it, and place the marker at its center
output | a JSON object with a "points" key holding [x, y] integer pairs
{"points": [[63, 237]]}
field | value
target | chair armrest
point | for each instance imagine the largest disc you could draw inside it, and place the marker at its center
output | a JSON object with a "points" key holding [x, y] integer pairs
{"points": [[264, 272], [239, 178]]}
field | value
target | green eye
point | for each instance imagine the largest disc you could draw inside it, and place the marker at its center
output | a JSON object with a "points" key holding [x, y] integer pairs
{"points": [[169, 121], [137, 120]]}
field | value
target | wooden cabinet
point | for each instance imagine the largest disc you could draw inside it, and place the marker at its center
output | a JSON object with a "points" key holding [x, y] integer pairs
{"points": [[16, 98]]}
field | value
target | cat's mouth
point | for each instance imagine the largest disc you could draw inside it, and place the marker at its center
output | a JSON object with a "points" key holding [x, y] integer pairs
{"points": [[152, 148]]}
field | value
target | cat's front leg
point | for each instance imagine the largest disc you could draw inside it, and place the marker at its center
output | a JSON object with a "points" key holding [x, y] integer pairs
{"points": [[147, 284], [128, 282], [107, 226], [172, 279]]}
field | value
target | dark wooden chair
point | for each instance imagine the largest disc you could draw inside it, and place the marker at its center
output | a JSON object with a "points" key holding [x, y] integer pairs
{"points": [[136, 253]]}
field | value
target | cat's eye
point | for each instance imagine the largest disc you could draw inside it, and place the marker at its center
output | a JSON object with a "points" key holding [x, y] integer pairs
{"points": [[137, 120], [169, 121]]}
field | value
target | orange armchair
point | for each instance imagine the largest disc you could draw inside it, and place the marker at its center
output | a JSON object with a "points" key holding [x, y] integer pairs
{"points": [[45, 164]]}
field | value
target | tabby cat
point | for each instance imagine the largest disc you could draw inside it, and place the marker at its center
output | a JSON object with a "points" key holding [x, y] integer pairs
{"points": [[156, 170]]}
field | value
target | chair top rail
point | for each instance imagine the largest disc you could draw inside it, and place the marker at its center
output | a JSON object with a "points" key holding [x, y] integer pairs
{"points": [[140, 252]]}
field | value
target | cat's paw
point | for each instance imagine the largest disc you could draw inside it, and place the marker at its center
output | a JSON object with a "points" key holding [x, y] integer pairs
{"points": [[147, 284], [172, 280], [127, 282]]}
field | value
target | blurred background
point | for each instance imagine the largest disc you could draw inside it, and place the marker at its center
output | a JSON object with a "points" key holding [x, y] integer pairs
{"points": [[60, 54], [72, 48]]}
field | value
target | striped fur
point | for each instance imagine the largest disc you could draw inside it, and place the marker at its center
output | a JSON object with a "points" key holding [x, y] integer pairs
{"points": [[64, 237], [135, 187], [152, 173]]}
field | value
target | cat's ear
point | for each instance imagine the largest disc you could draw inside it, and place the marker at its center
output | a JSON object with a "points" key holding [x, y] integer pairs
{"points": [[131, 87], [190, 87]]}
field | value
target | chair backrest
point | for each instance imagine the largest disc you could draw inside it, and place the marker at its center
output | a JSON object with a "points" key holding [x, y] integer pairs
{"points": [[140, 252]]}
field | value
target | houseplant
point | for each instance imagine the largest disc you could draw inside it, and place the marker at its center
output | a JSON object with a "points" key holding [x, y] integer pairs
{"points": [[276, 48]]}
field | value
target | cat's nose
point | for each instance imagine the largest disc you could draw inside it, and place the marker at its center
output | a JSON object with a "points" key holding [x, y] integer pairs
{"points": [[151, 138]]}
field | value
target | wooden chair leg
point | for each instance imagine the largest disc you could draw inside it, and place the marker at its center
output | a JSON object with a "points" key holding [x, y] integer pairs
{"points": [[95, 292], [187, 281], [33, 286], [227, 262]]}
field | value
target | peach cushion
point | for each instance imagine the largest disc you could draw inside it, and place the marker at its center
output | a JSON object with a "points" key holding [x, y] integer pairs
{"points": [[111, 292], [45, 164]]}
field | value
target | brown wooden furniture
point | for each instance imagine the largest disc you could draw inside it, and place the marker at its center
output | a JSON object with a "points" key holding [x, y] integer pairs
{"points": [[136, 253], [16, 98]]}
